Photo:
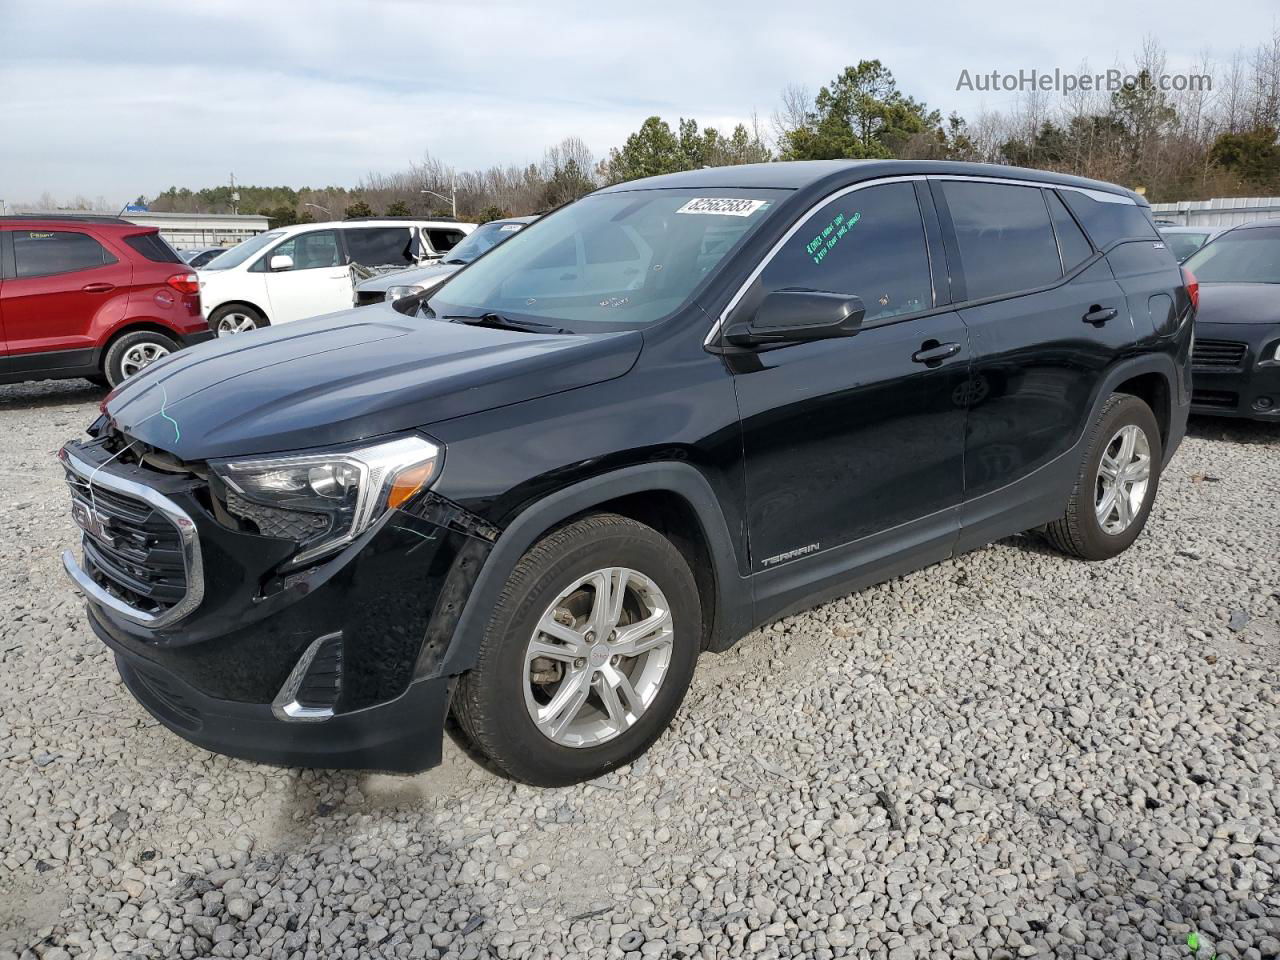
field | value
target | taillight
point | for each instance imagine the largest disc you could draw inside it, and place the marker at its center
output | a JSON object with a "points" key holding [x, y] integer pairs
{"points": [[1193, 287], [185, 283]]}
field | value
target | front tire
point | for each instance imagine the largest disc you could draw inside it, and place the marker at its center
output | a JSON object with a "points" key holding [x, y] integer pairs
{"points": [[587, 655], [132, 353], [1117, 483]]}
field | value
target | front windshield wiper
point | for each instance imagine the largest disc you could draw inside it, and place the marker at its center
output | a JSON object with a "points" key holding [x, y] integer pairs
{"points": [[498, 322]]}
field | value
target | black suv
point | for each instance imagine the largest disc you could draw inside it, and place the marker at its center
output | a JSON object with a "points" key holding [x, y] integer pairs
{"points": [[653, 420]]}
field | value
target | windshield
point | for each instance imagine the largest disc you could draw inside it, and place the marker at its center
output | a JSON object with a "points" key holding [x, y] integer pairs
{"points": [[1183, 245], [243, 251], [616, 260], [482, 239], [1251, 255]]}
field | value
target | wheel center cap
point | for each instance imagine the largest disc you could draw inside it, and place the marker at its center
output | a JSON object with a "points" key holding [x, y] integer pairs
{"points": [[599, 655]]}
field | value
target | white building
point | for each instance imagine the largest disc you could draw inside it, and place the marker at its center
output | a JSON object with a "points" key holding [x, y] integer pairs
{"points": [[1219, 212], [186, 230]]}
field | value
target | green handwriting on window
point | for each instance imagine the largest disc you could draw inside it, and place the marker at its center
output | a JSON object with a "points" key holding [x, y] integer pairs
{"points": [[825, 241]]}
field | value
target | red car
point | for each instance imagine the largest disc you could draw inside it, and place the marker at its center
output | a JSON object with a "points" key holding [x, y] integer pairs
{"points": [[93, 297]]}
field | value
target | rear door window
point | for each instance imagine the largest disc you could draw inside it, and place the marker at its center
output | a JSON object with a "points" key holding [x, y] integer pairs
{"points": [[1006, 242], [381, 246], [42, 253], [868, 243]]}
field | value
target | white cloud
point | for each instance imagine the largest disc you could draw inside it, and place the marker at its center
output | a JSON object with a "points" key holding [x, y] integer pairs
{"points": [[127, 99]]}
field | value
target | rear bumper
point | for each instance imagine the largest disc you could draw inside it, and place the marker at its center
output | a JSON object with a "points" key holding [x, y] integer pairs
{"points": [[403, 735], [198, 336], [1249, 389]]}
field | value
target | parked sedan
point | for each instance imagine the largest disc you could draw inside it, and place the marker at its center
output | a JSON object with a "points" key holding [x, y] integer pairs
{"points": [[198, 257], [1236, 356], [407, 283], [1184, 241]]}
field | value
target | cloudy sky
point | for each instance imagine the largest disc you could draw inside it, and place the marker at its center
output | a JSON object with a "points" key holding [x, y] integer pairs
{"points": [[118, 99]]}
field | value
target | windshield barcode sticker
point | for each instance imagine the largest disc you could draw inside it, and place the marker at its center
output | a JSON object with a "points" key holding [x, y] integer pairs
{"points": [[723, 206]]}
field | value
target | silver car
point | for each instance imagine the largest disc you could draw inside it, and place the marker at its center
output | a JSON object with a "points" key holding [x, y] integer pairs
{"points": [[406, 283]]}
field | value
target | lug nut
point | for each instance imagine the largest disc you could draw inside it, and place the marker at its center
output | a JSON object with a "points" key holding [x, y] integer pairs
{"points": [[590, 637], [615, 660]]}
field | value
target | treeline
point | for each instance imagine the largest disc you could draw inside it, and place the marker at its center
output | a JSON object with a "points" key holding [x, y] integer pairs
{"points": [[1186, 145]]}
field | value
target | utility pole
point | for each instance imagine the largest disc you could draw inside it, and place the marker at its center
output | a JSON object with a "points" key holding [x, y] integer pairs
{"points": [[235, 196]]}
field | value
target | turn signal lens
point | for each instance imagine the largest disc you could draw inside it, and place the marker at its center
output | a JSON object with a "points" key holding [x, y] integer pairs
{"points": [[408, 482]]}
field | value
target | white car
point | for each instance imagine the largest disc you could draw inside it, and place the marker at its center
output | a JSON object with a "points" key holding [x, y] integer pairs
{"points": [[312, 268]]}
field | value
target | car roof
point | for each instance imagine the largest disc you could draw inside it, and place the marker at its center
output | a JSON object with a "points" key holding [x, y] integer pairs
{"points": [[113, 224], [801, 174], [367, 222], [1254, 224], [528, 219]]}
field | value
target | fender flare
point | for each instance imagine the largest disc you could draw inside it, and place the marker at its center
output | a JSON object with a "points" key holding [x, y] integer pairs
{"points": [[733, 606], [1158, 363]]}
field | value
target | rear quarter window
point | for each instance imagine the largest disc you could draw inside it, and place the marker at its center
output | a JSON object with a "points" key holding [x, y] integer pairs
{"points": [[443, 240], [1108, 223], [153, 247]]}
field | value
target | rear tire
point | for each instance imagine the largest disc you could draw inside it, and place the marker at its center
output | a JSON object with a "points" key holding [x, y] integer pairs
{"points": [[233, 318], [615, 704], [1110, 502], [133, 352]]}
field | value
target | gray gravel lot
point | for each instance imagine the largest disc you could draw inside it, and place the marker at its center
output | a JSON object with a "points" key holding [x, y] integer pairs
{"points": [[1006, 755]]}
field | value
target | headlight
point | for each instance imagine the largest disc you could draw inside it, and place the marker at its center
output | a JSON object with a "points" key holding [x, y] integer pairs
{"points": [[401, 291], [325, 500]]}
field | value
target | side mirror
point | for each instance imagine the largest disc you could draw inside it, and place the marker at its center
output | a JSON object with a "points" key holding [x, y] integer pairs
{"points": [[281, 261], [792, 316]]}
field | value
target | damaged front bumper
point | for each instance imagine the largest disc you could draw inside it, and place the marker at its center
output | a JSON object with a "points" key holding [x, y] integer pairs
{"points": [[333, 666]]}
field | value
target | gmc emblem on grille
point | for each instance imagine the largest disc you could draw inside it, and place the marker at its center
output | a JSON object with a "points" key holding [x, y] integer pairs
{"points": [[89, 521]]}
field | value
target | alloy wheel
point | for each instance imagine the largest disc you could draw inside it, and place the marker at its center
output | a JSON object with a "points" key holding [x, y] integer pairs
{"points": [[232, 323], [1123, 476], [598, 657], [141, 355]]}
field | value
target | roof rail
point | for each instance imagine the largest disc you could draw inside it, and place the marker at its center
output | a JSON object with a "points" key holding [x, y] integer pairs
{"points": [[354, 219], [73, 217]]}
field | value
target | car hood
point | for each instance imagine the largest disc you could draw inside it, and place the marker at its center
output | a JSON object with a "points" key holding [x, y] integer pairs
{"points": [[348, 376], [418, 275], [1239, 303]]}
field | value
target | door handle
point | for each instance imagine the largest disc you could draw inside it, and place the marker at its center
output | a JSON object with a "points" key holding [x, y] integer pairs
{"points": [[1099, 315], [98, 287], [932, 352]]}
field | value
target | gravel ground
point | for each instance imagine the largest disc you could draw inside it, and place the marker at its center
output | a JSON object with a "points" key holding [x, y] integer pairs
{"points": [[1006, 755]]}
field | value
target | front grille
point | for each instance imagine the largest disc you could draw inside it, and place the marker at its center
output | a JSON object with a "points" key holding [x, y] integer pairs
{"points": [[142, 556], [1219, 354], [1223, 399], [140, 559]]}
